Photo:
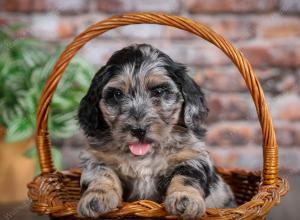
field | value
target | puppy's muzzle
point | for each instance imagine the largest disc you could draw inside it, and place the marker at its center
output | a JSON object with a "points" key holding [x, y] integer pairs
{"points": [[138, 133]]}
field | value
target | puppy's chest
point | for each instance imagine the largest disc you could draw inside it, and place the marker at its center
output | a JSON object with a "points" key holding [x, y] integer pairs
{"points": [[139, 178], [142, 168]]}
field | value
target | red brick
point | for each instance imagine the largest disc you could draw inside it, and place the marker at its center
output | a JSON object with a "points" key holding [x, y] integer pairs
{"points": [[98, 52], [229, 27], [216, 6], [215, 106], [289, 6], [265, 74], [3, 21], [297, 136], [277, 81], [45, 27], [231, 134], [257, 53], [286, 54], [228, 107], [286, 84], [25, 5], [221, 79], [251, 158], [142, 31], [286, 133], [188, 54], [111, 6], [275, 26], [203, 56], [75, 6], [298, 81], [277, 54], [124, 33], [286, 107], [39, 5], [192, 54], [242, 157], [114, 6], [66, 28], [84, 20], [235, 29]]}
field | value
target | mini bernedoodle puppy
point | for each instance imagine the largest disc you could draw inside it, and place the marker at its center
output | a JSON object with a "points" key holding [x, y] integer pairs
{"points": [[143, 117]]}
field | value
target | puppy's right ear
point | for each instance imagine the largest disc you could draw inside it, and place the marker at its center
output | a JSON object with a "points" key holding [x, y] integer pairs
{"points": [[90, 116], [195, 109]]}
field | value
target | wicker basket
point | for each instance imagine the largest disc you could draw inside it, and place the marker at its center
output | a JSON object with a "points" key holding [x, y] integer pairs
{"points": [[57, 193]]}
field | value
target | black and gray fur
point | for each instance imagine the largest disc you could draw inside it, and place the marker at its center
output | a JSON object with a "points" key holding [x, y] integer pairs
{"points": [[142, 95]]}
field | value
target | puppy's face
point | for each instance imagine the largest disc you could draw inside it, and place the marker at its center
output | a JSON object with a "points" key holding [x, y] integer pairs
{"points": [[138, 97], [141, 105]]}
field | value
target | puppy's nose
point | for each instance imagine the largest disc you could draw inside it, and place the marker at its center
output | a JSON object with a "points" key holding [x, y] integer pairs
{"points": [[138, 132]]}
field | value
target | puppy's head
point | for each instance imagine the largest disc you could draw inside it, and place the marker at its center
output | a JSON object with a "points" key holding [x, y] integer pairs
{"points": [[137, 98]]}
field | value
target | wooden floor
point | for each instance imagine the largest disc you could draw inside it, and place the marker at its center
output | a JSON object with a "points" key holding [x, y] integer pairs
{"points": [[286, 210]]}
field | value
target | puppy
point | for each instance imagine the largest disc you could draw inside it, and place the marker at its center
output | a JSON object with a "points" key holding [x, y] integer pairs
{"points": [[143, 116]]}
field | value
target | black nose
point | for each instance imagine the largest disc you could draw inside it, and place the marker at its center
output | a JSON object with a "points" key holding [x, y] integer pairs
{"points": [[138, 132]]}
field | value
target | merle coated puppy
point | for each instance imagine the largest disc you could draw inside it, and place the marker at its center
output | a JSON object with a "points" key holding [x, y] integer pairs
{"points": [[144, 119]]}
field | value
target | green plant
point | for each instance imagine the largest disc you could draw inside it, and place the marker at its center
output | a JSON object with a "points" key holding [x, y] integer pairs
{"points": [[25, 65]]}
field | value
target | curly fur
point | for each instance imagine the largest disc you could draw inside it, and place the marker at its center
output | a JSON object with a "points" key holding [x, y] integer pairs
{"points": [[141, 87]]}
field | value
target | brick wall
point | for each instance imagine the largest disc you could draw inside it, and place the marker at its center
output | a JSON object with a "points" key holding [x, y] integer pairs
{"points": [[266, 31]]}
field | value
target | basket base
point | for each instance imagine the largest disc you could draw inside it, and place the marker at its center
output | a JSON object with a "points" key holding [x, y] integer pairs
{"points": [[56, 194]]}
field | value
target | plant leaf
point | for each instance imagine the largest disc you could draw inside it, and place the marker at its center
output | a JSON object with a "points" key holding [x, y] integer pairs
{"points": [[19, 129], [31, 152]]}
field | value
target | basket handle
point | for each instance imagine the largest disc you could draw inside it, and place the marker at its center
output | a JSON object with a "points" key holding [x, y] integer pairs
{"points": [[270, 148]]}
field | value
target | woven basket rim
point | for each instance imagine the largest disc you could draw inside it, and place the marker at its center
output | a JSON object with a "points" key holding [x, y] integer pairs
{"points": [[258, 206]]}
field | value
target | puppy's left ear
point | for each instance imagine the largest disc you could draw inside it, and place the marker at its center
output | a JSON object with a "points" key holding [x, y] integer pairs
{"points": [[195, 108], [90, 117]]}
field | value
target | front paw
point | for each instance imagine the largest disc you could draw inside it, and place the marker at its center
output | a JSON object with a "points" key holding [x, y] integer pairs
{"points": [[186, 205], [95, 202]]}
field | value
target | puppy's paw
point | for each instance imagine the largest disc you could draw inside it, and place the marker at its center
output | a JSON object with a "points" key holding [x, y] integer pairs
{"points": [[95, 202], [186, 205]]}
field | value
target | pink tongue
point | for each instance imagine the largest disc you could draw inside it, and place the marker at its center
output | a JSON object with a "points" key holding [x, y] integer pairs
{"points": [[139, 148]]}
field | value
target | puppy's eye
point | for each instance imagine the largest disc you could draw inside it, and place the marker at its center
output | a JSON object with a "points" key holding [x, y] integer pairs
{"points": [[160, 90], [118, 94], [113, 95]]}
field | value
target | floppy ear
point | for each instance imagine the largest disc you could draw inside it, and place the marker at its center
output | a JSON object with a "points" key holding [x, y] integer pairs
{"points": [[90, 116], [195, 109]]}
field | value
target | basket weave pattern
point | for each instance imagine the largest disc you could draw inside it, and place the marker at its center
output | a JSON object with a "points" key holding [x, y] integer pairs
{"points": [[57, 193]]}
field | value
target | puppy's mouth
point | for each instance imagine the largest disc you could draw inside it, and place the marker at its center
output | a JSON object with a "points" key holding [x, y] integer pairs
{"points": [[139, 149]]}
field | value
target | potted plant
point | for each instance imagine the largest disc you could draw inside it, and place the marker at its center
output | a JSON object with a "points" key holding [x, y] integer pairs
{"points": [[24, 67]]}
